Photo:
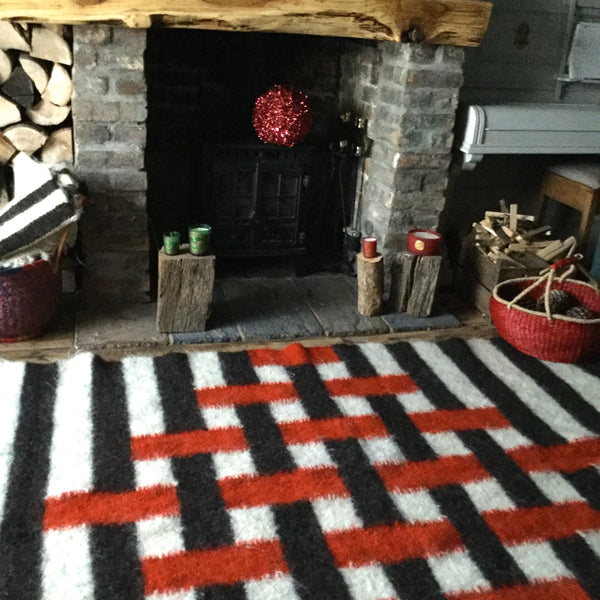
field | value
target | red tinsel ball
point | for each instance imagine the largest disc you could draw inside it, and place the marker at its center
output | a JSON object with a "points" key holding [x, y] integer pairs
{"points": [[282, 116]]}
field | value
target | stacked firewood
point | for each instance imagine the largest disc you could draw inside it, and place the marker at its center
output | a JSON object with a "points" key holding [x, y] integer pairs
{"points": [[513, 238], [36, 89]]}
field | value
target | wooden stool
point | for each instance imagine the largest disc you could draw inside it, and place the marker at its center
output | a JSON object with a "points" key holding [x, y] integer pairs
{"points": [[577, 186]]}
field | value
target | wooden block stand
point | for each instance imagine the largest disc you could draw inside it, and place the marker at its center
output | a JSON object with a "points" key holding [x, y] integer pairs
{"points": [[369, 275], [185, 291], [414, 281]]}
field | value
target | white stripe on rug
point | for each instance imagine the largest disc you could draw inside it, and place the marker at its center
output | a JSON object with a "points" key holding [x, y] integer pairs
{"points": [[529, 392], [585, 384], [452, 376], [163, 534], [66, 559], [71, 450], [11, 375]]}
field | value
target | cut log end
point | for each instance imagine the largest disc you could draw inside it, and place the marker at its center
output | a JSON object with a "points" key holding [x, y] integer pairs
{"points": [[369, 273], [25, 137]]}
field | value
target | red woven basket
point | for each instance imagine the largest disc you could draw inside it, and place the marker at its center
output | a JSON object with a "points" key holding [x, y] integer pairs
{"points": [[29, 298], [560, 338]]}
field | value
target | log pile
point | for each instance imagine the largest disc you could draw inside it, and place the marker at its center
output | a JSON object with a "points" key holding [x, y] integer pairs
{"points": [[36, 89], [514, 239]]}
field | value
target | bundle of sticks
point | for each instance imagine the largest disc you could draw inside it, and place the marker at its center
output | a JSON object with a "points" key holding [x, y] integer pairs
{"points": [[506, 235]]}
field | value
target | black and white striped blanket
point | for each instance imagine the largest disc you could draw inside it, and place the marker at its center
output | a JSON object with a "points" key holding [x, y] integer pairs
{"points": [[39, 209], [408, 471]]}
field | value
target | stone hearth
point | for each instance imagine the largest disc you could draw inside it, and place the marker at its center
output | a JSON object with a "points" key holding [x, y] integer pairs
{"points": [[406, 92]]}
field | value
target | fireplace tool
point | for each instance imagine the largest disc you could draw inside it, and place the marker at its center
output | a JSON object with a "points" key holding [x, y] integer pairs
{"points": [[358, 146]]}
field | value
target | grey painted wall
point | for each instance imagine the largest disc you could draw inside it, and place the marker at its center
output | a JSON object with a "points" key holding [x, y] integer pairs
{"points": [[522, 53]]}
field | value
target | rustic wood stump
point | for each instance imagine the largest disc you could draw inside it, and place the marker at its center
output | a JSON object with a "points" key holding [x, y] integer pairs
{"points": [[414, 281], [369, 274], [185, 291]]}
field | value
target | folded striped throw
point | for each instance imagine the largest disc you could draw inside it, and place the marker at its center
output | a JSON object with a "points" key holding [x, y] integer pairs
{"points": [[39, 209]]}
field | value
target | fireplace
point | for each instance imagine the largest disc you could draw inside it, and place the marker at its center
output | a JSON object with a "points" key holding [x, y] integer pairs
{"points": [[405, 93]]}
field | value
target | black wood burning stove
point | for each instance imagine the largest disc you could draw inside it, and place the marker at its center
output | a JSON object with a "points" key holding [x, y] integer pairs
{"points": [[258, 198]]}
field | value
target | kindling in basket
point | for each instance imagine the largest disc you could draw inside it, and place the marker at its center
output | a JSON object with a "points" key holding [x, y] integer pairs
{"points": [[526, 314]]}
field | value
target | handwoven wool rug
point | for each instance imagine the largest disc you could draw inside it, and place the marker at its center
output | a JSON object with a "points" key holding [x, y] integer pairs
{"points": [[409, 471]]}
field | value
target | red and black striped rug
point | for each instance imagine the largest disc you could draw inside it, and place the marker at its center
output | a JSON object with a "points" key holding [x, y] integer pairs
{"points": [[410, 471]]}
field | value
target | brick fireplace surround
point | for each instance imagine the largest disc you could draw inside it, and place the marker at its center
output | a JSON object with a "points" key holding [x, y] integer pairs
{"points": [[407, 92]]}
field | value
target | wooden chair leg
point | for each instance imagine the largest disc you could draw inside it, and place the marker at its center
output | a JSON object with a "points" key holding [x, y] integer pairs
{"points": [[587, 218], [542, 199]]}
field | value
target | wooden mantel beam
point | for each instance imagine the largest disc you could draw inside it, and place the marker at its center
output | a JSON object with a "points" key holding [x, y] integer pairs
{"points": [[451, 22]]}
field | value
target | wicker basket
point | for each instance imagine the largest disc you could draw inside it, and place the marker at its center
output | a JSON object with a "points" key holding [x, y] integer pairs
{"points": [[29, 298], [556, 337]]}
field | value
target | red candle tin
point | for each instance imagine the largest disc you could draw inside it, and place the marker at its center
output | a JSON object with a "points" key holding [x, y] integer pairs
{"points": [[369, 246], [423, 241]]}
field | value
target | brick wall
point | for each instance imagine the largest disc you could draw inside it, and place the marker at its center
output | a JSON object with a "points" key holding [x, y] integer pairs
{"points": [[409, 95], [109, 114]]}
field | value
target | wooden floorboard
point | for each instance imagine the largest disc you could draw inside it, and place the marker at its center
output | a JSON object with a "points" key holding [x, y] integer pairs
{"points": [[333, 301], [269, 309]]}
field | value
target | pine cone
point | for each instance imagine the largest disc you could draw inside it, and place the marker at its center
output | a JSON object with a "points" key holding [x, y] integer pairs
{"points": [[560, 302], [527, 302], [580, 312]]}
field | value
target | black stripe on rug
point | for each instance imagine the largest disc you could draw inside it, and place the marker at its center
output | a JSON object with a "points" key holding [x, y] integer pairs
{"points": [[307, 554], [404, 432], [582, 561], [203, 515], [313, 392], [492, 558], [356, 362], [269, 452], [425, 377], [204, 518], [515, 482], [587, 483], [369, 496], [21, 537], [519, 414], [414, 580], [554, 386], [115, 561]]}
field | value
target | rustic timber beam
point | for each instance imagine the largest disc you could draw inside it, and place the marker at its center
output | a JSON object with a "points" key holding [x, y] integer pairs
{"points": [[451, 22]]}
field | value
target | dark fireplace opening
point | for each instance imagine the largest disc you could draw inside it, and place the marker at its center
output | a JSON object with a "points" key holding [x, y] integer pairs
{"points": [[205, 162]]}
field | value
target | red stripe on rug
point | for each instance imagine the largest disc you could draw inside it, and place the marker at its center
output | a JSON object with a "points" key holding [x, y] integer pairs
{"points": [[109, 508], [255, 393], [282, 488], [381, 385], [459, 420], [392, 543], [521, 525], [569, 458], [220, 566], [341, 428], [188, 443], [293, 355], [560, 589], [431, 473]]}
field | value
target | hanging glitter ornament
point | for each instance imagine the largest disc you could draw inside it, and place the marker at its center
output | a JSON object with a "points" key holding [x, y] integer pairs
{"points": [[282, 116]]}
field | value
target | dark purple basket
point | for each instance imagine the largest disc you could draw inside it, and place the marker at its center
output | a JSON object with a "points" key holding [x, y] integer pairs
{"points": [[29, 298]]}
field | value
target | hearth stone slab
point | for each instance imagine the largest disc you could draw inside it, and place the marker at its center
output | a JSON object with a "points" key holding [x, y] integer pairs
{"points": [[270, 309], [220, 327], [121, 326], [333, 299], [404, 322]]}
